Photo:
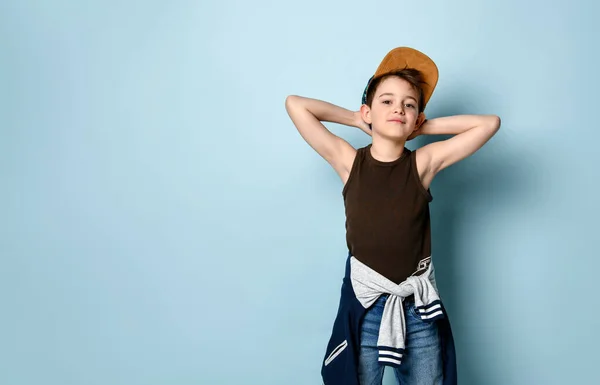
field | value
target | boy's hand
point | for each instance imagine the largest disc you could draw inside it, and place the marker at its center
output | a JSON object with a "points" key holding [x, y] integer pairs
{"points": [[421, 120], [414, 134], [360, 123]]}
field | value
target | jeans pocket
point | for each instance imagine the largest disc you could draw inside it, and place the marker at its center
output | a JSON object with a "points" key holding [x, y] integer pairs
{"points": [[413, 312]]}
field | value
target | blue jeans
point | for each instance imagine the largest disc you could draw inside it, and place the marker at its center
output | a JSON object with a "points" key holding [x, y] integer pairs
{"points": [[422, 360]]}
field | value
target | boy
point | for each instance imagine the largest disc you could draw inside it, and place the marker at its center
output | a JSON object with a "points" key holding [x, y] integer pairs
{"points": [[390, 313]]}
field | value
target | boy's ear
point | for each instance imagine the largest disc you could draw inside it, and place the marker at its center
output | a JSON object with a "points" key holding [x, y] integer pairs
{"points": [[420, 120], [365, 111]]}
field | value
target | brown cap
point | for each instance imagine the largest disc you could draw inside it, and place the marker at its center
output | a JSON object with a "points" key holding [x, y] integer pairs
{"points": [[405, 57]]}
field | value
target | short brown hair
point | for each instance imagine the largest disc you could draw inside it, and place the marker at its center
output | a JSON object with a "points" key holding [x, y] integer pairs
{"points": [[411, 75]]}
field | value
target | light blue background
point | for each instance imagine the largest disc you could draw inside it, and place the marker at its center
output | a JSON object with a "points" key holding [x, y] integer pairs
{"points": [[162, 221]]}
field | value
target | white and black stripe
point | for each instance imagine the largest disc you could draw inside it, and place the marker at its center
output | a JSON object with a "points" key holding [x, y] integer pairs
{"points": [[390, 356], [431, 312]]}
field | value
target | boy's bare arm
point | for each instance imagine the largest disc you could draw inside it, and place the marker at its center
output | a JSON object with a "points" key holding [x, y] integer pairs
{"points": [[307, 115], [470, 132]]}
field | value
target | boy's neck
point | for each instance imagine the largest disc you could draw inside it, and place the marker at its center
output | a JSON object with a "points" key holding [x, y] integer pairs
{"points": [[385, 150]]}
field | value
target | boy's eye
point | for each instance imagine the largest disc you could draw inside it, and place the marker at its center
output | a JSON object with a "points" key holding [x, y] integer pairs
{"points": [[410, 105], [387, 101]]}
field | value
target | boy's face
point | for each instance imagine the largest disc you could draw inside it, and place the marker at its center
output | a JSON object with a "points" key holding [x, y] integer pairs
{"points": [[394, 110]]}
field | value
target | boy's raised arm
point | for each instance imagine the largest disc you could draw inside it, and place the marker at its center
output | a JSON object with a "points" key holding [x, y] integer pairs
{"points": [[307, 115], [470, 132]]}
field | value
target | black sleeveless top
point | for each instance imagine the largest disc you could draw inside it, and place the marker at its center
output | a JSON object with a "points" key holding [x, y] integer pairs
{"points": [[387, 215]]}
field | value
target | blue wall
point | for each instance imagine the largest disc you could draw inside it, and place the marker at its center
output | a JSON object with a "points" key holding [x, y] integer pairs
{"points": [[162, 221]]}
